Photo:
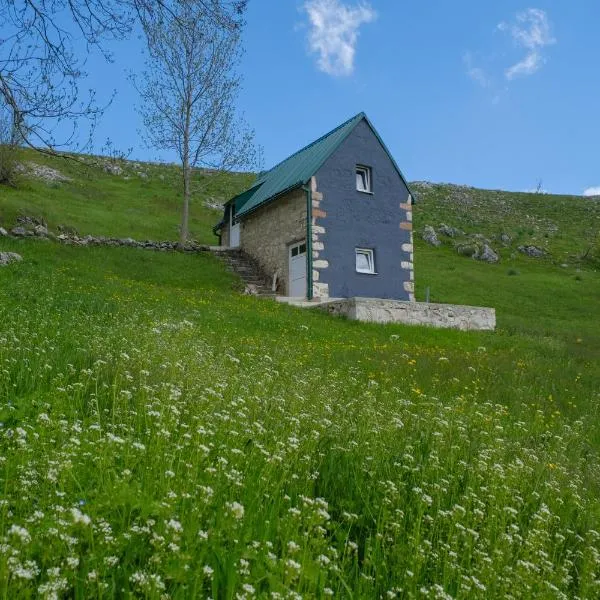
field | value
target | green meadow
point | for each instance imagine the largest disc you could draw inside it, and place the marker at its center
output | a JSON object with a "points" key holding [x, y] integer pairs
{"points": [[164, 436]]}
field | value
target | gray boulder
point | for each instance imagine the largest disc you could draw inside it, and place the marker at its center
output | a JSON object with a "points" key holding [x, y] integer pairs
{"points": [[18, 231], [487, 254], [449, 230], [430, 236], [7, 258], [26, 221], [532, 251], [47, 174], [3, 232], [505, 239], [40, 230], [113, 169]]}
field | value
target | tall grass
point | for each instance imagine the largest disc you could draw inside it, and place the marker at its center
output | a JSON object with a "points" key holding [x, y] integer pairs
{"points": [[163, 437]]}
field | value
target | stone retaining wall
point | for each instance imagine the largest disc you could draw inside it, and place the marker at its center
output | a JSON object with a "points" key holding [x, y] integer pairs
{"points": [[449, 316], [164, 246]]}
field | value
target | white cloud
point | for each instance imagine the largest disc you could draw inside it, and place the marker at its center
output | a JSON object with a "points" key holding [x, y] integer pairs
{"points": [[334, 33], [532, 31], [477, 74], [592, 191]]}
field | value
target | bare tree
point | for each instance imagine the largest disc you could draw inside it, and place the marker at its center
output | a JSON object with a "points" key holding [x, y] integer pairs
{"points": [[40, 66], [189, 89], [43, 50]]}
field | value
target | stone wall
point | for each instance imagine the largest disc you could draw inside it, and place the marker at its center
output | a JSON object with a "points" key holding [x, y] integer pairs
{"points": [[449, 316], [267, 233]]}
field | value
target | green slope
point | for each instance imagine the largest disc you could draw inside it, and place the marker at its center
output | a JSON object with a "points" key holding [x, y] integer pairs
{"points": [[555, 296], [162, 436], [142, 202], [563, 226]]}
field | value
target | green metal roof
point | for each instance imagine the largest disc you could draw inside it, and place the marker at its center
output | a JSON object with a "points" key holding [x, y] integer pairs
{"points": [[297, 169]]}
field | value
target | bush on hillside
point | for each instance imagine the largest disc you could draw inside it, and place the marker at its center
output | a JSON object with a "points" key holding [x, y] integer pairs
{"points": [[8, 164], [8, 153]]}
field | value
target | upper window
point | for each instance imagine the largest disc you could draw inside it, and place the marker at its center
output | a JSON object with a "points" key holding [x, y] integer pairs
{"points": [[365, 262], [363, 179]]}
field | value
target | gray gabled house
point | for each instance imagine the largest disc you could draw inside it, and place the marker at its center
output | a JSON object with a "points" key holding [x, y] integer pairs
{"points": [[334, 220]]}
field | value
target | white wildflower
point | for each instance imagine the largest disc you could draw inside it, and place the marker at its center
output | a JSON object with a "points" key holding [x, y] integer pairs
{"points": [[20, 532], [174, 525], [236, 509], [292, 564], [79, 517]]}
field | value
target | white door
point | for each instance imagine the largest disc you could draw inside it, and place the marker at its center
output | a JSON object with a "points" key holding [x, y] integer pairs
{"points": [[234, 230], [297, 287]]}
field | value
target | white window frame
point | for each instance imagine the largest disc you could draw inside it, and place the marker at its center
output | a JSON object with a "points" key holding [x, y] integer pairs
{"points": [[370, 255], [363, 170], [298, 247]]}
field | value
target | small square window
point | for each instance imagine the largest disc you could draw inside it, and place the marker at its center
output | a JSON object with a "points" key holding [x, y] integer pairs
{"points": [[365, 262], [363, 179]]}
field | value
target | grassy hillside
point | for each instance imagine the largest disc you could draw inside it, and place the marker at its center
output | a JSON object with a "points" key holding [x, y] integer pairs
{"points": [[554, 296], [165, 437], [140, 200], [562, 226]]}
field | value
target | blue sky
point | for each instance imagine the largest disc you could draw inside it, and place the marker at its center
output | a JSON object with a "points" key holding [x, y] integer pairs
{"points": [[490, 94]]}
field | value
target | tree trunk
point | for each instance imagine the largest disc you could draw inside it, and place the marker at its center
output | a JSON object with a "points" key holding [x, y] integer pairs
{"points": [[185, 214], [187, 175]]}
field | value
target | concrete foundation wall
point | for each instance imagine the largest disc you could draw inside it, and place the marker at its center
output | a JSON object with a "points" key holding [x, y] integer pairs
{"points": [[451, 316], [267, 233]]}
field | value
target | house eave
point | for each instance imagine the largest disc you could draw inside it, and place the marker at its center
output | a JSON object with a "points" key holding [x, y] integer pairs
{"points": [[295, 186]]}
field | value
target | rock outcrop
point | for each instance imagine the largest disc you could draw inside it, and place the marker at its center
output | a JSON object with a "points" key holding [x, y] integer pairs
{"points": [[430, 236], [532, 251], [7, 258]]}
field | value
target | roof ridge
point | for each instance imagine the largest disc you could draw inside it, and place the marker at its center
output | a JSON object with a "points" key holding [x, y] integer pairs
{"points": [[313, 143]]}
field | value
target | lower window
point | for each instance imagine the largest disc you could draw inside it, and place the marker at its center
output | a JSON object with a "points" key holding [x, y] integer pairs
{"points": [[365, 260]]}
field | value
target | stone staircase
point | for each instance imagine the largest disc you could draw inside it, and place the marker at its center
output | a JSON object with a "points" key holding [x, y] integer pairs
{"points": [[237, 261]]}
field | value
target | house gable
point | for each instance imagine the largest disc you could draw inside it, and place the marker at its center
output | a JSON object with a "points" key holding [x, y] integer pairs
{"points": [[297, 169], [348, 219]]}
